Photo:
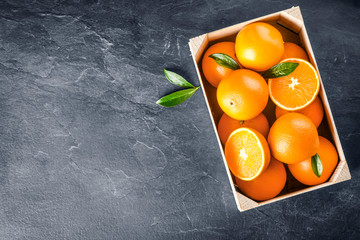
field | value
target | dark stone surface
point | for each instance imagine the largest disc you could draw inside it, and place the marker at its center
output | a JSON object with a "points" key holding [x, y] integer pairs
{"points": [[87, 154]]}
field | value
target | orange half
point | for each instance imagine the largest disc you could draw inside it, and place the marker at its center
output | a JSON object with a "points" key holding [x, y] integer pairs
{"points": [[296, 90], [247, 153]]}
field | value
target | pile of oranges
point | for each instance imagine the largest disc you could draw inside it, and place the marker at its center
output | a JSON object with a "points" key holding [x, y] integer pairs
{"points": [[256, 152]]}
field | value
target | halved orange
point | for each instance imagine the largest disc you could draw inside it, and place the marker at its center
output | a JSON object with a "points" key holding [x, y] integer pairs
{"points": [[247, 153], [296, 90]]}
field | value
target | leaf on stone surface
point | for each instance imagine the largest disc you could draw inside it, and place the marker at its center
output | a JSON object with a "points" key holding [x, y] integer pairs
{"points": [[176, 98], [176, 79]]}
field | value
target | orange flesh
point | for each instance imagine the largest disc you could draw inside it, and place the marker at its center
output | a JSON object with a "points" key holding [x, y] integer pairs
{"points": [[244, 154], [298, 89]]}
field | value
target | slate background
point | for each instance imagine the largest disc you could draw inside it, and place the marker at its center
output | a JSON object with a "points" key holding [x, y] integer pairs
{"points": [[86, 154]]}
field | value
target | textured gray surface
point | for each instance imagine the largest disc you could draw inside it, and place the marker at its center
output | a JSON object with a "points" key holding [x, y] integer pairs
{"points": [[87, 154]]}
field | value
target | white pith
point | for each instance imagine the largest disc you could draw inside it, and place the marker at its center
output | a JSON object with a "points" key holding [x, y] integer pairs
{"points": [[243, 154], [294, 82]]}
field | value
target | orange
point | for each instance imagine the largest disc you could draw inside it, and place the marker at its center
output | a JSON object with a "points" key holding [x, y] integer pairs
{"points": [[314, 111], [293, 138], [227, 125], [247, 153], [259, 46], [243, 94], [291, 50], [303, 171], [267, 185], [296, 90], [213, 71]]}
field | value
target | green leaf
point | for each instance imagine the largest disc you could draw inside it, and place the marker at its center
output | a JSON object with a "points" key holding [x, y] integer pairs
{"points": [[225, 61], [316, 165], [176, 98], [280, 70], [176, 79]]}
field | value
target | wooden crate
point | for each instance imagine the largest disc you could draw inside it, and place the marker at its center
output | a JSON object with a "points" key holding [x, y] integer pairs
{"points": [[290, 23]]}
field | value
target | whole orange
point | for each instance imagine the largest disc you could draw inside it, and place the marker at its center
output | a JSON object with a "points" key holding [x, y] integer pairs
{"points": [[213, 71], [303, 172], [259, 46], [267, 185], [227, 125], [292, 50], [243, 94], [314, 111], [293, 138]]}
